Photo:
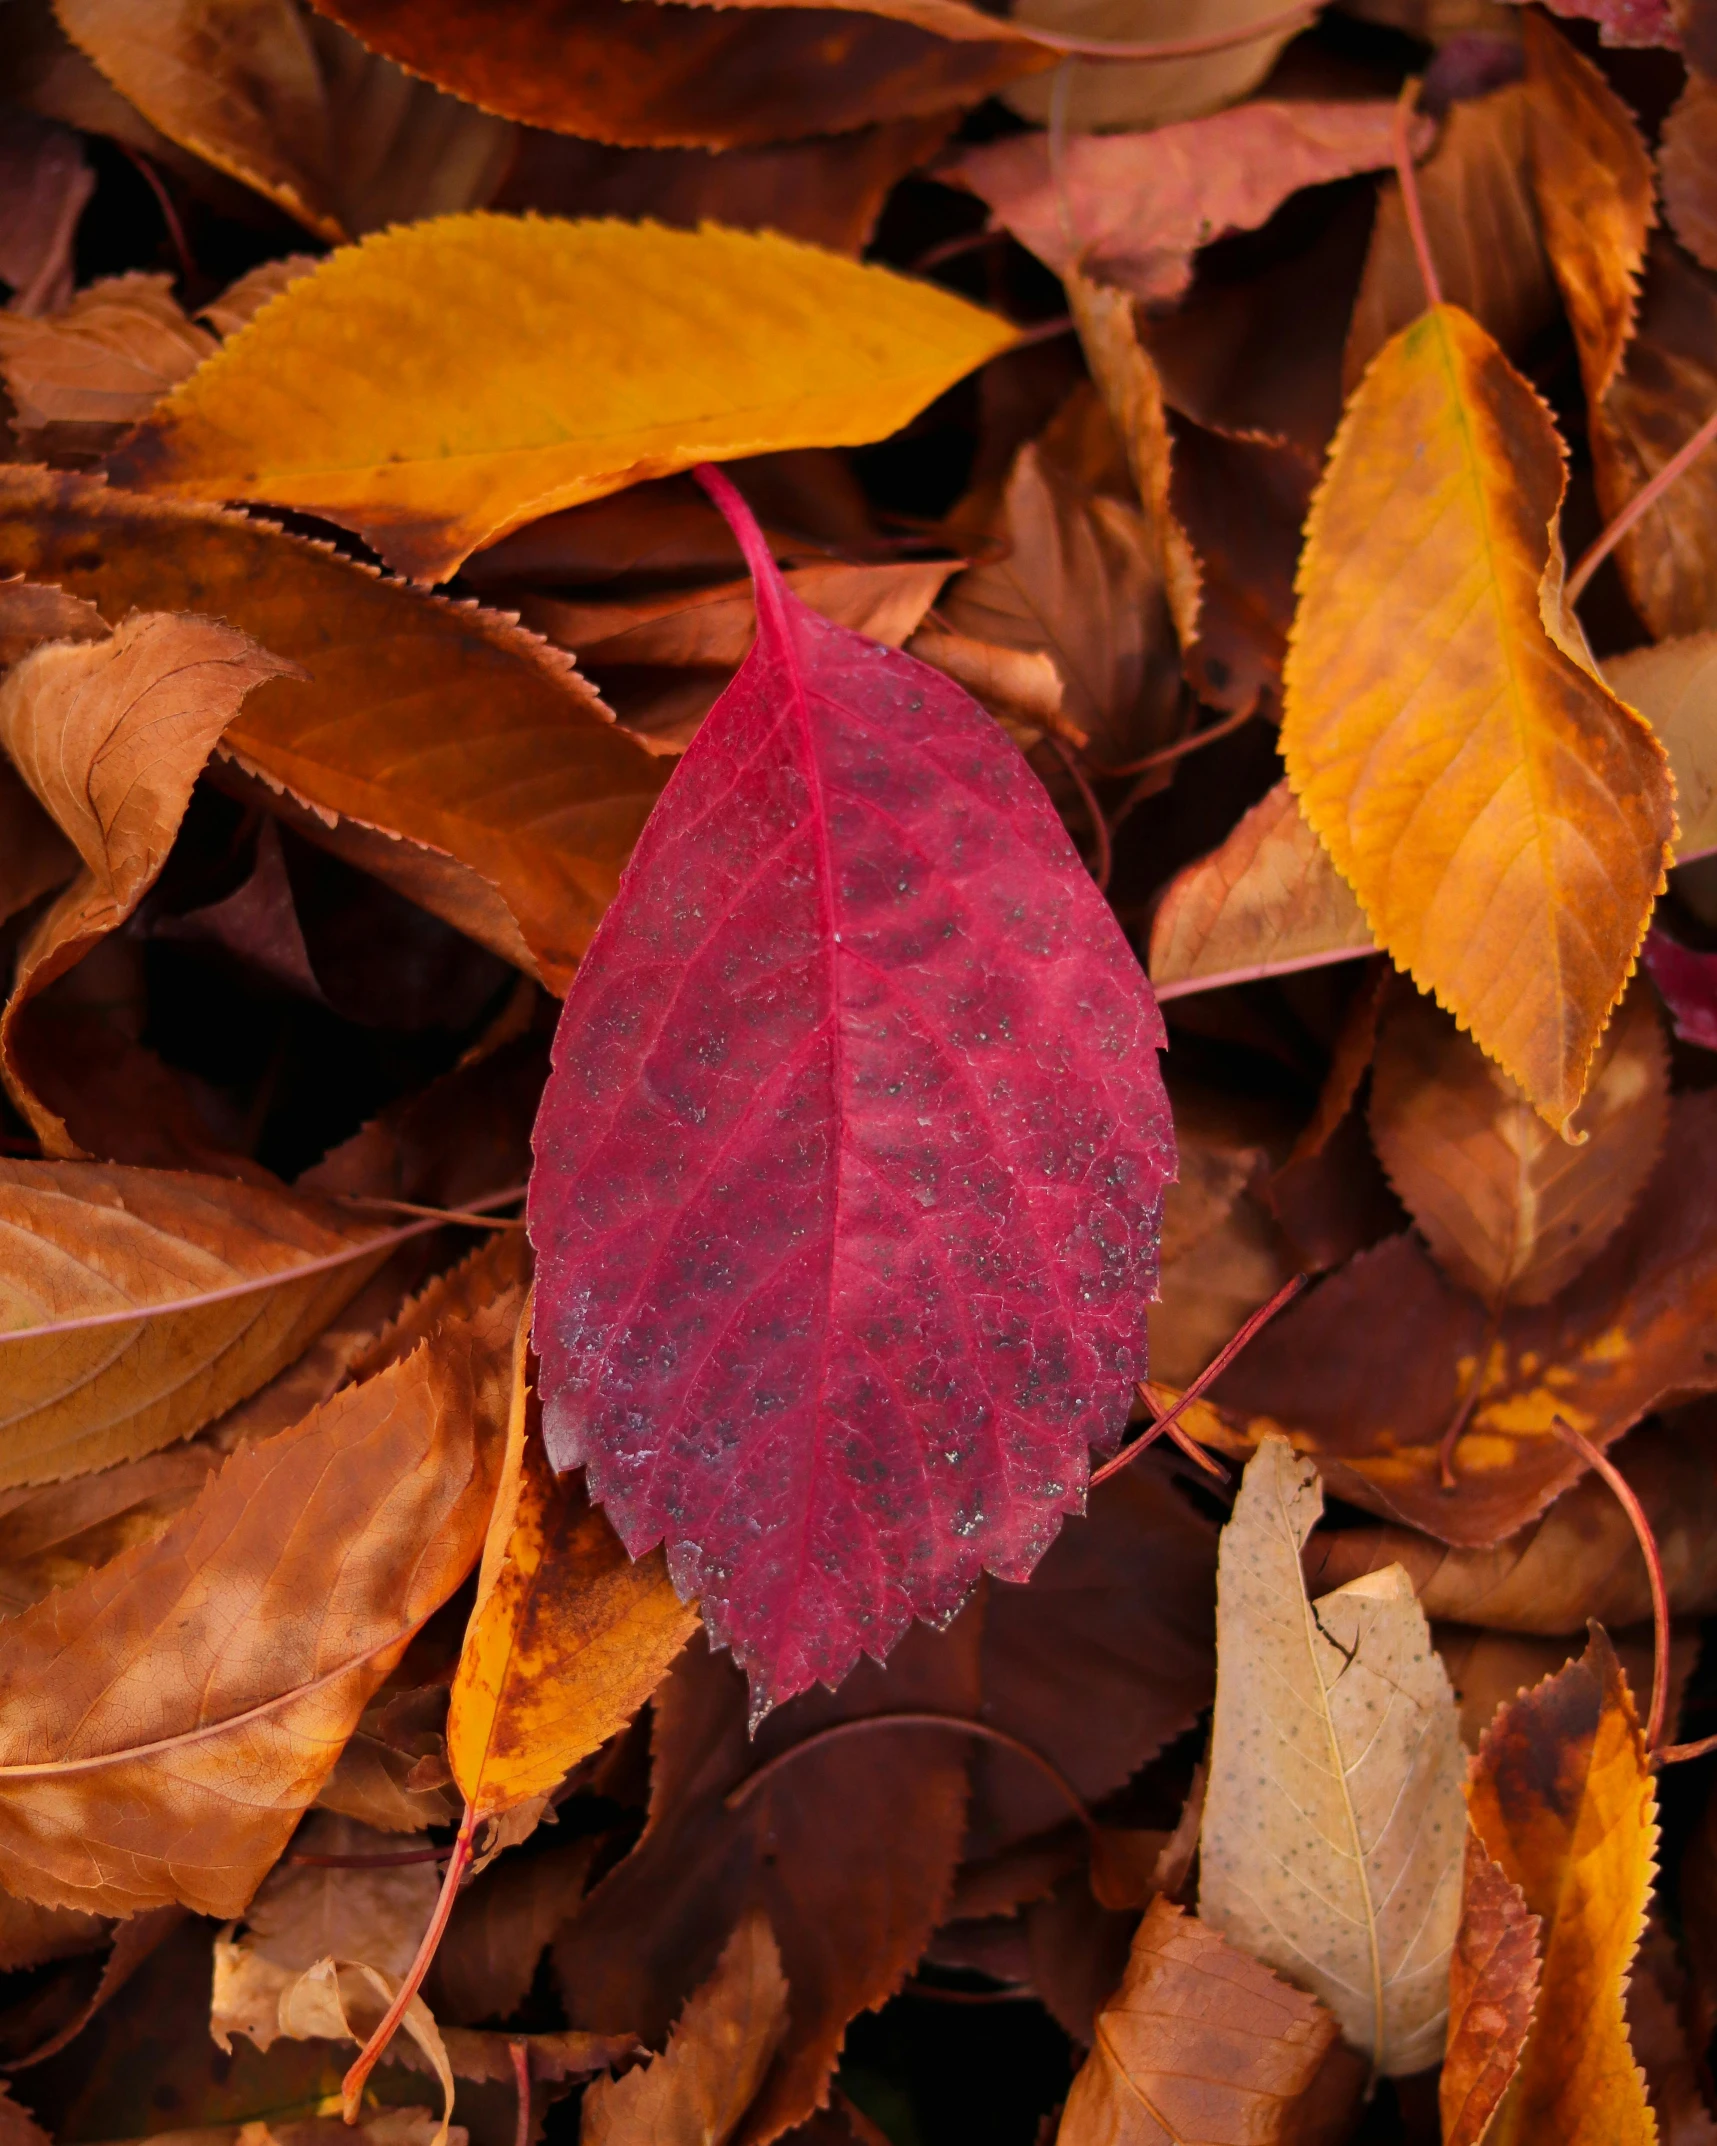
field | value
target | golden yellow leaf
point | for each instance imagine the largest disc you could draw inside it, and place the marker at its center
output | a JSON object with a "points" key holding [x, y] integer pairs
{"points": [[568, 1638], [441, 384], [435, 721], [111, 736], [1562, 1801], [1504, 819]]}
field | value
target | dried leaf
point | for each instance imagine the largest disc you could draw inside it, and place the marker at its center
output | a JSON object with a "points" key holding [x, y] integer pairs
{"points": [[501, 1926], [1674, 686], [1481, 220], [438, 722], [103, 361], [1562, 1801], [1509, 1208], [1332, 1833], [497, 319], [703, 77], [303, 1913], [1222, 1253], [1111, 94], [1493, 1988], [841, 772], [1268, 902], [1688, 172], [52, 1536], [83, 1238], [45, 185], [1202, 2042], [1133, 209], [698, 2089], [289, 1590], [1504, 819]]}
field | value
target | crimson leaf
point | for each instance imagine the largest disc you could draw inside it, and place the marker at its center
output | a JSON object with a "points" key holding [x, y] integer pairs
{"points": [[849, 1173]]}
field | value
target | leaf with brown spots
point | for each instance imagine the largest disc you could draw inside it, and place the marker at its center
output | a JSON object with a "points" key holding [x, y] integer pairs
{"points": [[1493, 1987]]}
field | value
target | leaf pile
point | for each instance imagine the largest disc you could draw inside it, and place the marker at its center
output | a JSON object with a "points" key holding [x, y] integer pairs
{"points": [[858, 1072]]}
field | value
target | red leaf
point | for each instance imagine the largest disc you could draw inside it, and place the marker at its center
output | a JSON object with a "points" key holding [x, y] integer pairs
{"points": [[1687, 983], [850, 1169]]}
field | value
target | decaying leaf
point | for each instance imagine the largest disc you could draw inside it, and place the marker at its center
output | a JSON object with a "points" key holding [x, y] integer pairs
{"points": [[840, 770], [437, 722], [1332, 1837], [110, 736], [103, 360], [289, 1588], [1509, 1207], [682, 345], [1674, 686], [1493, 1990], [1269, 901], [1562, 1801], [1203, 2042], [1104, 94], [699, 2088], [1504, 819], [45, 182]]}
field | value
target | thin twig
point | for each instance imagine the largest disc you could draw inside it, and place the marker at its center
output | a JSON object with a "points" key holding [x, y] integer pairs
{"points": [[1679, 1754], [352, 2086], [369, 1862], [915, 1986], [1166, 755], [1144, 50], [1207, 1377], [1043, 331], [950, 249], [520, 2052], [1641, 503], [915, 1718], [188, 269], [466, 1215], [1405, 105], [1103, 861], [383, 1241], [1635, 1511]]}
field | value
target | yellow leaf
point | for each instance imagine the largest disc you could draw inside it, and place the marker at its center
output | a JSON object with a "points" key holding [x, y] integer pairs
{"points": [[1562, 1800], [568, 1638], [441, 384], [1503, 818]]}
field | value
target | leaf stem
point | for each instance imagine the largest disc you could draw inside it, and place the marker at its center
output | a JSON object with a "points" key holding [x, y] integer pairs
{"points": [[352, 2086], [1405, 106], [134, 1314], [959, 1724], [1641, 504], [1212, 1371], [520, 2052], [1103, 861], [1635, 1511], [369, 1862], [1165, 756]]}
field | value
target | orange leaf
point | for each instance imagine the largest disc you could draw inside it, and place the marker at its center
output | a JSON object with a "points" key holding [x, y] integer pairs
{"points": [[1493, 1985], [1562, 1800]]}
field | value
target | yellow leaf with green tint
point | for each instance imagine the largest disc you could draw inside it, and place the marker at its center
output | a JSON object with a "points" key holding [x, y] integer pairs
{"points": [[569, 1636], [1504, 819], [446, 381]]}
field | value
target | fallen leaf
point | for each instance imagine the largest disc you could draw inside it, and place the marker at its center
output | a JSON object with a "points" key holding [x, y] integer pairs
{"points": [[1022, 688], [1687, 172], [1332, 1834], [1493, 1988], [1201, 2041], [1133, 209], [111, 736], [841, 828], [1104, 95], [54, 1534], [1509, 1208], [568, 1639], [794, 347], [102, 362], [438, 722], [1624, 22], [1659, 2034], [88, 1238], [697, 2091], [1674, 686], [376, 1775], [45, 185], [500, 1928], [1562, 1800], [1490, 1669], [851, 1894], [662, 76], [1268, 902], [1504, 819], [335, 1540], [30, 1934], [242, 300], [1367, 1369], [1222, 1254], [1580, 1560], [1686, 981], [1481, 221], [302, 1913], [16, 2127]]}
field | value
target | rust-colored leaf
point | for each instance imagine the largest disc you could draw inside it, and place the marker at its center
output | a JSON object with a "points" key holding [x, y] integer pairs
{"points": [[1493, 1988], [100, 363]]}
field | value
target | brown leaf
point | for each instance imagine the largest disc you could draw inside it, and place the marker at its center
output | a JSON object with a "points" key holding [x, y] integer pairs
{"points": [[51, 1536], [431, 720], [45, 185], [1269, 901], [1687, 169], [1222, 1253], [30, 1933], [1493, 1986], [699, 2088], [289, 1589], [637, 74], [111, 736], [1491, 1669], [1659, 2034], [1482, 222], [851, 1894], [1367, 1369], [377, 1777], [501, 1926], [1101, 95], [100, 363], [302, 1913], [1580, 1560], [1508, 1207], [16, 2127], [1202, 2042]]}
